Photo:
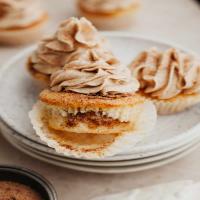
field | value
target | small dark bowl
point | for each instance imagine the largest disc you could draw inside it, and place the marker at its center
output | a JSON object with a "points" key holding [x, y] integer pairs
{"points": [[28, 178]]}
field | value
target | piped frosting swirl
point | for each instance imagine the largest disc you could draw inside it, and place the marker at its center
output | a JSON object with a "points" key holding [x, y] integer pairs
{"points": [[165, 75], [54, 52], [19, 13], [97, 77]]}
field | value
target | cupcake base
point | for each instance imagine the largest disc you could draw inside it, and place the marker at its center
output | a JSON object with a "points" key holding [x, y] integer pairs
{"points": [[19, 35], [43, 78], [176, 104], [122, 19]]}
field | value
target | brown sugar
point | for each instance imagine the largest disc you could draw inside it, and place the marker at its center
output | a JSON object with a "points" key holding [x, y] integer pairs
{"points": [[17, 191]]}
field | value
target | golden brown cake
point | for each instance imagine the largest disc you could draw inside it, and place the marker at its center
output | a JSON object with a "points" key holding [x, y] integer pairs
{"points": [[90, 114], [109, 14], [21, 21], [171, 79]]}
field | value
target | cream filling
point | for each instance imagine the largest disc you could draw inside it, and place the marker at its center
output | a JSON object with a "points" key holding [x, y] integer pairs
{"points": [[124, 114]]}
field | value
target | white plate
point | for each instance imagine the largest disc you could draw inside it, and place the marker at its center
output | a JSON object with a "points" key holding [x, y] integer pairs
{"points": [[59, 158], [107, 170], [19, 92]]}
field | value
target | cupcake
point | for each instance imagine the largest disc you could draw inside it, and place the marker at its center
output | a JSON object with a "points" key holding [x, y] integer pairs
{"points": [[109, 14], [91, 110], [171, 79], [21, 21], [73, 37]]}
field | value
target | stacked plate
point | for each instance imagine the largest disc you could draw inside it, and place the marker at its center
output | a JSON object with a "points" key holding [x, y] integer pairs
{"points": [[173, 137]]}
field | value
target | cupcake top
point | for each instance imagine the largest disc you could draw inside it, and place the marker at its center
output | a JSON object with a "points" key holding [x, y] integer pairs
{"points": [[96, 77], [72, 34], [106, 6], [19, 13], [164, 75]]}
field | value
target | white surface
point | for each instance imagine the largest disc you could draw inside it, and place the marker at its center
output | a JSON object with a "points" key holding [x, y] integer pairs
{"points": [[183, 190], [170, 131], [174, 20]]}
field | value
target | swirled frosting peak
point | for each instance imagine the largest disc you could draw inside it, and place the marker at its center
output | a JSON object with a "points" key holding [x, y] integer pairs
{"points": [[98, 77], [19, 13], [164, 75], [77, 32], [106, 6], [72, 34]]}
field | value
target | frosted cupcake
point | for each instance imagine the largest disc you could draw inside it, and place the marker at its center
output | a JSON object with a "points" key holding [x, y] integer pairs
{"points": [[91, 110], [109, 14], [171, 79], [74, 36], [21, 21]]}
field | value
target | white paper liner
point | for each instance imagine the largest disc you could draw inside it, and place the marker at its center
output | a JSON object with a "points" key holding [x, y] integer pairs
{"points": [[177, 105]]}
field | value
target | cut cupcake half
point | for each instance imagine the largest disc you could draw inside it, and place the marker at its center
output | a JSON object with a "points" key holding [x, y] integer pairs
{"points": [[92, 111], [92, 145]]}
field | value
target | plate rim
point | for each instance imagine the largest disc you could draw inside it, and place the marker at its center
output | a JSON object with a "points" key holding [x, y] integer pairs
{"points": [[112, 170], [117, 163], [117, 158]]}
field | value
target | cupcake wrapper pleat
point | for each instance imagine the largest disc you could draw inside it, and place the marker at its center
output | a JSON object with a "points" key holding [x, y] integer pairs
{"points": [[178, 104]]}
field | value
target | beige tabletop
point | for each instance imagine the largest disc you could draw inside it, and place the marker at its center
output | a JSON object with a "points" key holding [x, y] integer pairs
{"points": [[177, 21]]}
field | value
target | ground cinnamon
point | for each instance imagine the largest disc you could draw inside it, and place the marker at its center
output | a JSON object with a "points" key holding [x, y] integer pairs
{"points": [[17, 191]]}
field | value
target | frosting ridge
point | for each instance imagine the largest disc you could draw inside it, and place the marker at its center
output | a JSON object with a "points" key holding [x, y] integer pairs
{"points": [[92, 78]]}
